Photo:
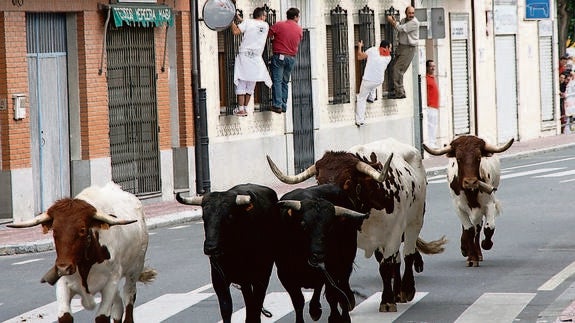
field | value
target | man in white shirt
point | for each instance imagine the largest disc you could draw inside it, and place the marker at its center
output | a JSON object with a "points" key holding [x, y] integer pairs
{"points": [[408, 30], [373, 75], [249, 65]]}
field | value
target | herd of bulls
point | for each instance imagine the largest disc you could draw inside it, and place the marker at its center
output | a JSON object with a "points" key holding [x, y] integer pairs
{"points": [[370, 197]]}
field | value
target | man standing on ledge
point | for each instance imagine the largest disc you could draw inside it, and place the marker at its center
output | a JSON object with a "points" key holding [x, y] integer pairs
{"points": [[408, 30], [286, 36], [373, 75]]}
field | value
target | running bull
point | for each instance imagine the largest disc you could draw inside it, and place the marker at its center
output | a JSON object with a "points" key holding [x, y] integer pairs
{"points": [[473, 175], [100, 238]]}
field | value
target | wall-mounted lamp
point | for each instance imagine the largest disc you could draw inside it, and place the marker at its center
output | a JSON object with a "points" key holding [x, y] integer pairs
{"points": [[19, 102]]}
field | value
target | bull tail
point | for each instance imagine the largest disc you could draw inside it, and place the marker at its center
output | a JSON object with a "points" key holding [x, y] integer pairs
{"points": [[147, 275], [431, 247]]}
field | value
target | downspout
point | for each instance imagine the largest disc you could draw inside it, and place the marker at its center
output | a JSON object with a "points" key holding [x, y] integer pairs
{"points": [[476, 127], [200, 116]]}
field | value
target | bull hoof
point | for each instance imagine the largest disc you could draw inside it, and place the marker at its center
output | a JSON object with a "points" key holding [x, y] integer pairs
{"points": [[389, 307], [66, 318], [472, 263], [315, 312], [486, 244], [418, 263], [407, 296]]}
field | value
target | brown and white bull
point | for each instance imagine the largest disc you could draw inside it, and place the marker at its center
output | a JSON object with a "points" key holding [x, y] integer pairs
{"points": [[100, 238], [394, 194], [473, 175]]}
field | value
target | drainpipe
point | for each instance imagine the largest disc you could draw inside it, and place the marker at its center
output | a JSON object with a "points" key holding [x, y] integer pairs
{"points": [[476, 127], [200, 115]]}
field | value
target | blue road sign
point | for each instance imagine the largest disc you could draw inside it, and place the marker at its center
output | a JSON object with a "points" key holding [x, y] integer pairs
{"points": [[537, 9]]}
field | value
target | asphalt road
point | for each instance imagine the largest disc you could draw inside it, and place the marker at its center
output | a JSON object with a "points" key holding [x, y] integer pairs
{"points": [[526, 277]]}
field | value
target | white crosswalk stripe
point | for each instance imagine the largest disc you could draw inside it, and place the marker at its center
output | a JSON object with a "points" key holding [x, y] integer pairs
{"points": [[496, 307], [489, 307], [167, 305], [47, 313], [368, 310], [559, 174]]}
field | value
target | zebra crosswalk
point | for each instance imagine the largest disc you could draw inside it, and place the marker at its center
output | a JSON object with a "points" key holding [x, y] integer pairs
{"points": [[489, 307]]}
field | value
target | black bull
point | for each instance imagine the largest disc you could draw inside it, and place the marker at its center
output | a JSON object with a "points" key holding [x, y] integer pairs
{"points": [[245, 234], [239, 225], [317, 246]]}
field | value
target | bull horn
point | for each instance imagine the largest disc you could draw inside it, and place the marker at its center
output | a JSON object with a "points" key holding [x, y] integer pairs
{"points": [[374, 173], [342, 211], [498, 149], [291, 179], [194, 200], [292, 204], [243, 199], [44, 217], [486, 188], [438, 151], [110, 219]]}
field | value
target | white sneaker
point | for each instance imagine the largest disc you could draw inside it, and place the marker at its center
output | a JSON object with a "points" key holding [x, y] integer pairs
{"points": [[240, 112]]}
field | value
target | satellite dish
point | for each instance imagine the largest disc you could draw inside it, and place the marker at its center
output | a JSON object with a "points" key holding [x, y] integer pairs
{"points": [[219, 14]]}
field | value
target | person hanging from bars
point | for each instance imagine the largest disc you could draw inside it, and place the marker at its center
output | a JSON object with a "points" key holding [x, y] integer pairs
{"points": [[408, 36], [373, 75], [250, 67], [286, 36]]}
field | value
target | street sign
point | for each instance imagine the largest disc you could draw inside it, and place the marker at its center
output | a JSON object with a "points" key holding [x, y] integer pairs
{"points": [[537, 9]]}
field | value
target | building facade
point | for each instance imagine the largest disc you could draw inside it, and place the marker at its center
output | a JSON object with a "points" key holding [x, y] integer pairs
{"points": [[141, 92]]}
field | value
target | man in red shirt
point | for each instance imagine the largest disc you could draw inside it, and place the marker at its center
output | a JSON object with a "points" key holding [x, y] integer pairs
{"points": [[286, 36], [432, 103]]}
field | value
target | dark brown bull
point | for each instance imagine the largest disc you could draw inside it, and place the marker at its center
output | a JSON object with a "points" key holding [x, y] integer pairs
{"points": [[473, 176], [342, 168]]}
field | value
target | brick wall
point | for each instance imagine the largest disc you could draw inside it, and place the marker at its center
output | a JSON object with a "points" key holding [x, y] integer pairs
{"points": [[93, 88], [15, 134], [185, 97], [162, 89]]}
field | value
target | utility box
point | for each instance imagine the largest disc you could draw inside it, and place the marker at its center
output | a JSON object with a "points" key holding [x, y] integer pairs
{"points": [[19, 101], [431, 23]]}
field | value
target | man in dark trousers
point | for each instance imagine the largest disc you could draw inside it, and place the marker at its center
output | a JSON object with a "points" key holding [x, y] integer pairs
{"points": [[408, 30], [286, 36]]}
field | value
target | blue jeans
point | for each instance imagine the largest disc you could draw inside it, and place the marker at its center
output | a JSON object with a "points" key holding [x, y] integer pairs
{"points": [[281, 72]]}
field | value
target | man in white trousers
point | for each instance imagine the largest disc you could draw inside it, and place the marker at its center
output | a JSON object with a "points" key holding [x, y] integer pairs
{"points": [[373, 75], [249, 65]]}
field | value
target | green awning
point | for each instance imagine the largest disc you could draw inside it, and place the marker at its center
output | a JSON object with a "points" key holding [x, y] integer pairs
{"points": [[138, 14]]}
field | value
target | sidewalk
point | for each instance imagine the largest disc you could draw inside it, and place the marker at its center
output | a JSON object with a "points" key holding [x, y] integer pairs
{"points": [[17, 241]]}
